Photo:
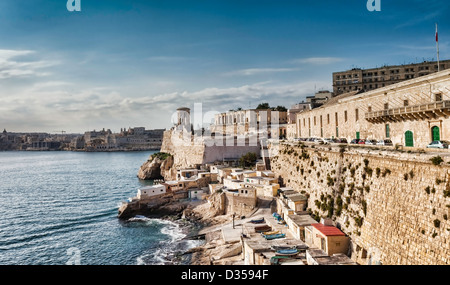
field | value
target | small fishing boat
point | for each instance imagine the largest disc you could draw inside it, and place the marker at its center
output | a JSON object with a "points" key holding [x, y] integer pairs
{"points": [[262, 229], [276, 216], [257, 221], [287, 252], [270, 233], [276, 260], [275, 236]]}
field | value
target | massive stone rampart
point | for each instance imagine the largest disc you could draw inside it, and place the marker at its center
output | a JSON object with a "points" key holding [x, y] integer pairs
{"points": [[189, 151], [393, 204]]}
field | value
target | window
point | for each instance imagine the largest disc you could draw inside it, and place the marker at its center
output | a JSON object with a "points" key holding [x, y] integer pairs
{"points": [[345, 115], [387, 131], [405, 103], [356, 114], [328, 119], [438, 97], [386, 106], [314, 120], [369, 109], [336, 118]]}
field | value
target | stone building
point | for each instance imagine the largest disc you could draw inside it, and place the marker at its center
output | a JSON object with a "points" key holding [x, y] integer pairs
{"points": [[242, 122], [326, 237], [411, 113], [358, 79]]}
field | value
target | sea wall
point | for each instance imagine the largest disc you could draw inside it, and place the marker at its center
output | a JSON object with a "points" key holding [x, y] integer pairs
{"points": [[394, 205]]}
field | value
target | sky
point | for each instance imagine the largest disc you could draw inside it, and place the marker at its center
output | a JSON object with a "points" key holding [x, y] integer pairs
{"points": [[118, 64]]}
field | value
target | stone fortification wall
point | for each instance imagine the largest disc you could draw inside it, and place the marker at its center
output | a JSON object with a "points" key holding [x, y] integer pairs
{"points": [[186, 153], [394, 205], [191, 151]]}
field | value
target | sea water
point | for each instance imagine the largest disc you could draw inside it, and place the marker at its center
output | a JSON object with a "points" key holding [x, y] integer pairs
{"points": [[61, 208]]}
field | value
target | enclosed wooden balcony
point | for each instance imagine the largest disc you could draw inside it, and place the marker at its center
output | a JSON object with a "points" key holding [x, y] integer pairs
{"points": [[427, 111]]}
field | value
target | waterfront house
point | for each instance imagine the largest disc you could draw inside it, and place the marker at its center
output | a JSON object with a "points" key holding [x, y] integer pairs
{"points": [[149, 192]]}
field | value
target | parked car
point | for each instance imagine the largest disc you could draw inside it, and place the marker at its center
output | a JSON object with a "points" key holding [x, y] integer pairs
{"points": [[328, 141], [342, 140], [371, 142], [384, 142], [362, 141], [438, 144], [320, 140], [355, 141]]}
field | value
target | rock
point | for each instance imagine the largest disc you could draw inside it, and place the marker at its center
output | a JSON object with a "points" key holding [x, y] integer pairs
{"points": [[155, 167]]}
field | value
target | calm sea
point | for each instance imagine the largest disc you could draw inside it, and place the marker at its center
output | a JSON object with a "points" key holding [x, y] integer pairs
{"points": [[61, 207]]}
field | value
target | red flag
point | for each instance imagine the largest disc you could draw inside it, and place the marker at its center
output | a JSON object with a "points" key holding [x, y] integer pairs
{"points": [[436, 33]]}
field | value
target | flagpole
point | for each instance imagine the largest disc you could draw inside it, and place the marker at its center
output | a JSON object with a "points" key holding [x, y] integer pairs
{"points": [[437, 47]]}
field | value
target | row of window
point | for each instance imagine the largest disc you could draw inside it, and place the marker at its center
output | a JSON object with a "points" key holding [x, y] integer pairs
{"points": [[392, 71], [438, 98]]}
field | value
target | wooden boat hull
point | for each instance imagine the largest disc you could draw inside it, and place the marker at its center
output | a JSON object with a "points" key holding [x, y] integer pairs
{"points": [[262, 229], [258, 221], [275, 236], [287, 252], [270, 233]]}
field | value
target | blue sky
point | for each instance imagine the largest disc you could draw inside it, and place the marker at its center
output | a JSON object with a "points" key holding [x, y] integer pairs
{"points": [[130, 63]]}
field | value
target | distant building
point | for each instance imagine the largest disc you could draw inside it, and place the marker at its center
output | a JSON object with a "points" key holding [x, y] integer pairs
{"points": [[319, 98], [358, 79], [132, 139], [250, 121]]}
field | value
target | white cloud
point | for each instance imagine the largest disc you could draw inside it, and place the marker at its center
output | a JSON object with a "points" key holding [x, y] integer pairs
{"points": [[256, 71], [13, 64], [317, 60], [53, 105]]}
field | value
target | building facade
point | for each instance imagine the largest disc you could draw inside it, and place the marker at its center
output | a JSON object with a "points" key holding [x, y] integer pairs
{"points": [[370, 79], [411, 113]]}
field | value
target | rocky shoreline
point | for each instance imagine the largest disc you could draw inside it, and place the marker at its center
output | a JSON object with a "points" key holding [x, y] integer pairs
{"points": [[199, 222]]}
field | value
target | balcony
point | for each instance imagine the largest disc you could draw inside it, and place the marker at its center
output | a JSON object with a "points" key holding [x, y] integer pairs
{"points": [[418, 112]]}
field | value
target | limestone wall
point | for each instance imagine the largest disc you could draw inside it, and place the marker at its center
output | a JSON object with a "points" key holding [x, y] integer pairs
{"points": [[191, 151], [393, 205]]}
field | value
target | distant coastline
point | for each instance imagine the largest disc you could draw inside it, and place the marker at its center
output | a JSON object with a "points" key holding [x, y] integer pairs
{"points": [[131, 139]]}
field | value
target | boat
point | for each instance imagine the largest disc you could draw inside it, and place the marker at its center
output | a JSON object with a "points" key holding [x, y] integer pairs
{"points": [[287, 252], [257, 221], [262, 229], [270, 233], [276, 216], [275, 236], [278, 247], [276, 260]]}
